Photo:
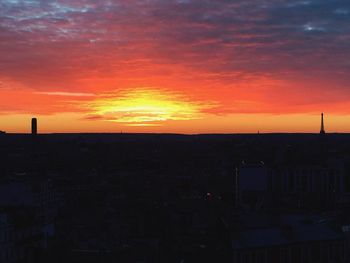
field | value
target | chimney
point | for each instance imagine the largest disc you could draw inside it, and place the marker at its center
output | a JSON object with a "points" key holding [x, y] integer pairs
{"points": [[322, 131], [34, 126]]}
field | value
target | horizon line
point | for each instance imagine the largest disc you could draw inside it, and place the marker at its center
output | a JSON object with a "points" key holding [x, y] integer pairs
{"points": [[170, 133]]}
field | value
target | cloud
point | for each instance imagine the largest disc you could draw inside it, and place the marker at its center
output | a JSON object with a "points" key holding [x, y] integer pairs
{"points": [[66, 94]]}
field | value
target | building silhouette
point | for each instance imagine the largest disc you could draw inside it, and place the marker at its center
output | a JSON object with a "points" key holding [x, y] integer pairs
{"points": [[34, 126], [322, 131]]}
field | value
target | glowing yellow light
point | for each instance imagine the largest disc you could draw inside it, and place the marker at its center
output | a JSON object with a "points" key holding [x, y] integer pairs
{"points": [[146, 107]]}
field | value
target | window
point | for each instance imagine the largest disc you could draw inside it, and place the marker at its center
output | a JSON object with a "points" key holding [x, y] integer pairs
{"points": [[261, 257], [290, 181], [245, 258], [285, 255]]}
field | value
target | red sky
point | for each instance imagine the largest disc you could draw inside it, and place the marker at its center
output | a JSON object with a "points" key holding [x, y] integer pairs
{"points": [[184, 66]]}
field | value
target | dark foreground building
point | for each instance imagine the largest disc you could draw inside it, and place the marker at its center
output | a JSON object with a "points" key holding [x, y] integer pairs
{"points": [[293, 239], [173, 198]]}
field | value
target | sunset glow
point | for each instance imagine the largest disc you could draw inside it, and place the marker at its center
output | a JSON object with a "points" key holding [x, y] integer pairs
{"points": [[174, 66], [145, 107]]}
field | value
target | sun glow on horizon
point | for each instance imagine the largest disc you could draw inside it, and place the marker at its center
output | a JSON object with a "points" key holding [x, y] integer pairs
{"points": [[146, 107]]}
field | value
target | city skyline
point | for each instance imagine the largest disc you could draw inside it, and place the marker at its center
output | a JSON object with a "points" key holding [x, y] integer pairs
{"points": [[184, 66], [34, 128]]}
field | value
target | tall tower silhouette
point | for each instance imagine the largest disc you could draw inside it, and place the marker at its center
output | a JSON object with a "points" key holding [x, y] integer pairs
{"points": [[322, 131], [34, 126]]}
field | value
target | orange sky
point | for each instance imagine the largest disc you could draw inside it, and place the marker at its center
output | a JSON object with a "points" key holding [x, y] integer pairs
{"points": [[174, 66]]}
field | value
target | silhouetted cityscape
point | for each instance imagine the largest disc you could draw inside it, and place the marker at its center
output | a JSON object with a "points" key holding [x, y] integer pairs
{"points": [[175, 198]]}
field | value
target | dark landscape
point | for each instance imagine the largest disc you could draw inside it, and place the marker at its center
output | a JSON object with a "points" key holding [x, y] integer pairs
{"points": [[175, 198]]}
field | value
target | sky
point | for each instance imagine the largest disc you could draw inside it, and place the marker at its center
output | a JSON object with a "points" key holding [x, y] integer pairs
{"points": [[175, 66]]}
